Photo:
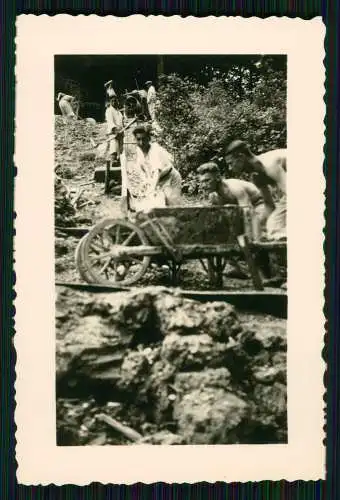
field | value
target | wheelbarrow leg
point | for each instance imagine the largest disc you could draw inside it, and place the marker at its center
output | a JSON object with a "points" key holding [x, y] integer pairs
{"points": [[175, 269], [107, 177], [215, 270]]}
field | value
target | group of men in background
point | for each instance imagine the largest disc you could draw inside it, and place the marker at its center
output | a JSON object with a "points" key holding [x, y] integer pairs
{"points": [[266, 171]]}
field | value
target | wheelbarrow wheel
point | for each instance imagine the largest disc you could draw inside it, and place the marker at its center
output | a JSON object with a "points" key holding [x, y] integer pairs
{"points": [[79, 260], [107, 269]]}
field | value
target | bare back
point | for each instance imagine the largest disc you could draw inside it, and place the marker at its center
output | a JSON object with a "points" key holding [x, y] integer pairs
{"points": [[246, 193], [275, 166]]}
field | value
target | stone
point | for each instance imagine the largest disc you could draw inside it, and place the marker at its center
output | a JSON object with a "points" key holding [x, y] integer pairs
{"points": [[270, 405], [209, 416], [189, 381], [192, 352], [271, 374], [187, 317]]}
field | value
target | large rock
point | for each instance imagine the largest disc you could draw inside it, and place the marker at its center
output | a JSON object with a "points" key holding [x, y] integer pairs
{"points": [[186, 382], [210, 416], [188, 317], [95, 332], [270, 404], [193, 352]]}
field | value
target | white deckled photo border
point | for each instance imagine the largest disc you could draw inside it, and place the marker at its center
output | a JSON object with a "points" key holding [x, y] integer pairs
{"points": [[39, 39]]}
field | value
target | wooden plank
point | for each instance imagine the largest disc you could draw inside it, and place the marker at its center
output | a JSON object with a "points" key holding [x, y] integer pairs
{"points": [[267, 301], [188, 251], [177, 210], [78, 231], [117, 426], [270, 302], [269, 245], [91, 288]]}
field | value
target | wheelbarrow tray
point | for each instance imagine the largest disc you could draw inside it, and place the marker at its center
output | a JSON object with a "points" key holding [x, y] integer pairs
{"points": [[197, 226]]}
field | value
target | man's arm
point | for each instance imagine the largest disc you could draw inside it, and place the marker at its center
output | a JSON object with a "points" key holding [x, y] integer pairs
{"points": [[214, 199], [165, 163], [124, 191], [260, 181]]}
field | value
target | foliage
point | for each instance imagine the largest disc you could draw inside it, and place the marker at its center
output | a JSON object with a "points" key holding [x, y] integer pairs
{"points": [[242, 103]]}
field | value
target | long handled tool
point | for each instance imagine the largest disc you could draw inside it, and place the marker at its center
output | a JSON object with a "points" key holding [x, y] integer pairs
{"points": [[94, 144], [109, 163]]}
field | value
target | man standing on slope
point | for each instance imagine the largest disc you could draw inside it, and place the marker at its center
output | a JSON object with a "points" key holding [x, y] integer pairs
{"points": [[109, 90], [151, 99]]}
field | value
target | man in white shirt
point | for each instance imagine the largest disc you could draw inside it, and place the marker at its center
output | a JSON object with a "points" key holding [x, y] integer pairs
{"points": [[65, 104], [151, 99], [150, 179], [109, 90], [114, 121]]}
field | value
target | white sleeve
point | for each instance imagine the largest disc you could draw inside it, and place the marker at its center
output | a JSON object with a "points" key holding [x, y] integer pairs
{"points": [[109, 119], [166, 159], [124, 175]]}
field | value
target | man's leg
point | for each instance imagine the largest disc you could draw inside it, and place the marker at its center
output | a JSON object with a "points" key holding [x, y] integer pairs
{"points": [[276, 223], [262, 213]]}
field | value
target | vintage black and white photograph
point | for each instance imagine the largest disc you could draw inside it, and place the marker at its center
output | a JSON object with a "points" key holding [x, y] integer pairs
{"points": [[170, 249], [169, 267]]}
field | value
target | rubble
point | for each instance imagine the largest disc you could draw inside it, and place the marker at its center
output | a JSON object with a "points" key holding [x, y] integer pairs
{"points": [[174, 370], [171, 380]]}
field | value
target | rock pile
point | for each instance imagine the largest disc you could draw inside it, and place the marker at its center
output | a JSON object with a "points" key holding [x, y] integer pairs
{"points": [[64, 211], [175, 370]]}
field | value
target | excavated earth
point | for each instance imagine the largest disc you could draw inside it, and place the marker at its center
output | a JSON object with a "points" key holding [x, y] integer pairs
{"points": [[176, 371]]}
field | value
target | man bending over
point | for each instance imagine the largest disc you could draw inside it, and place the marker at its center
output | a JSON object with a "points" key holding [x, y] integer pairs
{"points": [[272, 165], [151, 179], [234, 191], [243, 193], [268, 170]]}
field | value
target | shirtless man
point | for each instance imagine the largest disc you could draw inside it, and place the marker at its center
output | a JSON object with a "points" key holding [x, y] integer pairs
{"points": [[272, 164], [234, 191], [269, 170], [237, 191]]}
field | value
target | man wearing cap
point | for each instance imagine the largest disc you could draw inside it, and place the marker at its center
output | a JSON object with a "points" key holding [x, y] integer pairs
{"points": [[65, 104], [114, 121], [272, 164], [268, 170], [151, 99], [110, 93]]}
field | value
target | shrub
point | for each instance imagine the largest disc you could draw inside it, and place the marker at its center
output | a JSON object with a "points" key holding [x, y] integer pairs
{"points": [[199, 121]]}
